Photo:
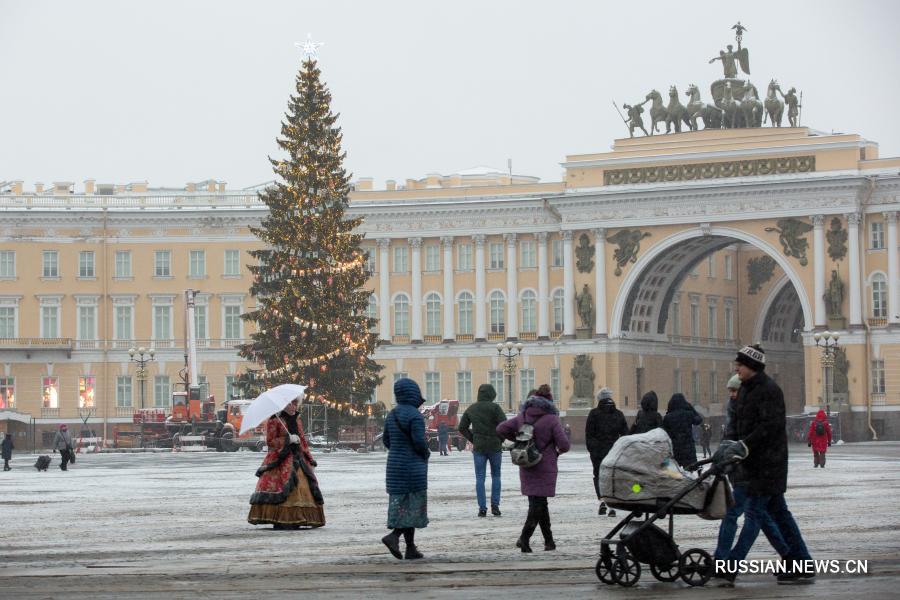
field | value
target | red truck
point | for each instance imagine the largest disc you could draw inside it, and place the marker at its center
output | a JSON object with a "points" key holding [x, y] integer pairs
{"points": [[446, 412]]}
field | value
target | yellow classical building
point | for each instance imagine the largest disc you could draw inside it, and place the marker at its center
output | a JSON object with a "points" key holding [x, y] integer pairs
{"points": [[644, 269]]}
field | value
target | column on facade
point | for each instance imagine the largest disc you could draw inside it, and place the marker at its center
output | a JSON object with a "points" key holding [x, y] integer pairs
{"points": [[480, 321], [893, 274], [512, 287], [384, 289], [819, 314], [415, 265], [447, 245], [853, 220], [600, 325], [568, 285], [543, 287]]}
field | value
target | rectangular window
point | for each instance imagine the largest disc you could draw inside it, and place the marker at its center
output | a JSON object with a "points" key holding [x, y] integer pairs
{"points": [[695, 320], [123, 263], [8, 322], [496, 379], [50, 392], [676, 318], [729, 267], [464, 257], [529, 254], [86, 388], [162, 322], [201, 331], [400, 375], [123, 323], [496, 255], [232, 322], [161, 394], [695, 386], [7, 392], [432, 386], [400, 259], [124, 397], [554, 385], [232, 389], [87, 323], [877, 376], [51, 263], [729, 323], [876, 229], [86, 264], [232, 263], [711, 265], [526, 383], [557, 253], [162, 263], [432, 257], [7, 264], [197, 266], [711, 321], [49, 321], [464, 386], [676, 381]]}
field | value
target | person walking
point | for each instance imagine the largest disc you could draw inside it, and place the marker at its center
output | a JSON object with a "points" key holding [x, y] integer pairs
{"points": [[479, 426], [539, 481], [679, 424], [6, 449], [605, 424], [705, 439], [443, 438], [648, 416], [819, 438], [63, 443], [757, 436], [406, 475], [287, 495]]}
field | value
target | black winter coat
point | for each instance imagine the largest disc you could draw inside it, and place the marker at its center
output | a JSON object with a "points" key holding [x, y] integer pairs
{"points": [[648, 416], [605, 424], [758, 420], [7, 447], [679, 422]]}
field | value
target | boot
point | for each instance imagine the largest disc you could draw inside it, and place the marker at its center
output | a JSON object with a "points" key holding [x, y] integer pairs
{"points": [[602, 510], [392, 541], [544, 523], [495, 510], [412, 553], [523, 545], [523, 542], [822, 460], [482, 512], [611, 513]]}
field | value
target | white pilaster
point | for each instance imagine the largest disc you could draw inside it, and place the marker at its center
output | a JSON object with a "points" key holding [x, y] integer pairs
{"points": [[600, 326], [447, 245], [820, 316], [568, 285], [853, 220], [512, 287], [480, 321], [384, 289], [893, 273], [415, 265], [543, 287]]}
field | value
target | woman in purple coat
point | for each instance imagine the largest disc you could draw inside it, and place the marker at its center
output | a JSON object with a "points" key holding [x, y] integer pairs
{"points": [[538, 482]]}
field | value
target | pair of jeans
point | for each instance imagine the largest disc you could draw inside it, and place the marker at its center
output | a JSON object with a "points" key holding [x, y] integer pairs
{"points": [[481, 460], [771, 514], [728, 528]]}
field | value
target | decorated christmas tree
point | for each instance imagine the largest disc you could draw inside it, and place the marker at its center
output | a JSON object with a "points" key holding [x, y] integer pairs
{"points": [[311, 319]]}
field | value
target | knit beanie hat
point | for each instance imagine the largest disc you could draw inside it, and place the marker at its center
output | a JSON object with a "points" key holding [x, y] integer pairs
{"points": [[734, 383], [752, 357], [605, 394]]}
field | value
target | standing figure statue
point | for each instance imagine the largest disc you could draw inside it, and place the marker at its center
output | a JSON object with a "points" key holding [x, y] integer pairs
{"points": [[728, 58], [634, 117], [793, 104], [835, 295], [739, 32], [585, 304]]}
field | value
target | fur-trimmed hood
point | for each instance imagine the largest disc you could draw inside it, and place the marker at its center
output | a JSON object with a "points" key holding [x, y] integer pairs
{"points": [[538, 405]]}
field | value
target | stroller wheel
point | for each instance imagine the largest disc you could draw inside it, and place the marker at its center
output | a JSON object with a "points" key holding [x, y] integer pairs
{"points": [[696, 566], [626, 569], [604, 568], [667, 574]]}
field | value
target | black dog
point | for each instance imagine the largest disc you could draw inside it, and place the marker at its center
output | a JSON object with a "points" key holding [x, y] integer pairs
{"points": [[42, 463]]}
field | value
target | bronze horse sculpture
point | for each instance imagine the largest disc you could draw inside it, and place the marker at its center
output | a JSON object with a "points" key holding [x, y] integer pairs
{"points": [[657, 110], [774, 106], [710, 114], [751, 107], [676, 113]]}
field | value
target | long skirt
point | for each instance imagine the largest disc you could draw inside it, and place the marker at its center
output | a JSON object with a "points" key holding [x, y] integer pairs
{"points": [[298, 509], [408, 510]]}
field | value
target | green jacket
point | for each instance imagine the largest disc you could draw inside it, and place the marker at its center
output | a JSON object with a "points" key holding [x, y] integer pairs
{"points": [[479, 422]]}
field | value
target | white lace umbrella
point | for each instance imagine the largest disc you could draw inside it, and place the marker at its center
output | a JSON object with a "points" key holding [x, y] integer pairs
{"points": [[268, 403]]}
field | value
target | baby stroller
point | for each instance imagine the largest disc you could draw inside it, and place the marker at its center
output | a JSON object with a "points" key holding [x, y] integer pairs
{"points": [[639, 475]]}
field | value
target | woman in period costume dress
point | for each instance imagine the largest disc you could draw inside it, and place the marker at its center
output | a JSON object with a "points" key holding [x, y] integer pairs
{"points": [[287, 494]]}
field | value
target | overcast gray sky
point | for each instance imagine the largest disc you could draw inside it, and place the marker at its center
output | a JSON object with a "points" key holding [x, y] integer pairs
{"points": [[177, 91]]}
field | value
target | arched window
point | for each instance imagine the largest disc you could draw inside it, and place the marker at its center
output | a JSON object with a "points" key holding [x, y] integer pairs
{"points": [[498, 312], [464, 314], [401, 315], [879, 296], [432, 314], [529, 311], [559, 299], [372, 311]]}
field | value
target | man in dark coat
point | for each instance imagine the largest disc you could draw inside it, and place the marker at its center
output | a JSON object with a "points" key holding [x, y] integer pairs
{"points": [[679, 424], [479, 426], [757, 428], [605, 424], [6, 451], [648, 416]]}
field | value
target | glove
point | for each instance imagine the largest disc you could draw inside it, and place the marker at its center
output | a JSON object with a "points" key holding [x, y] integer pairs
{"points": [[729, 452], [809, 444], [295, 439]]}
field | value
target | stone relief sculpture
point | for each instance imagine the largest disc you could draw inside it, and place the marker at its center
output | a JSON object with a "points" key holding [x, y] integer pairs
{"points": [[837, 240], [840, 385], [583, 378], [584, 254], [789, 232], [759, 270], [584, 302], [629, 244]]}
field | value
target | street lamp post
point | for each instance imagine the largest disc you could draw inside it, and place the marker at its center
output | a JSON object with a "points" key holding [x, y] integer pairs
{"points": [[828, 342], [509, 352], [141, 361]]}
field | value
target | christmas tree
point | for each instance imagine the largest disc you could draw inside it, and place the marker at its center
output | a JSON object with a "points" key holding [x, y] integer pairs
{"points": [[312, 324]]}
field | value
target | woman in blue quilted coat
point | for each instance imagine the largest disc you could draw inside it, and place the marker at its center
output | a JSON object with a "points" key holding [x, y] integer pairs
{"points": [[407, 469]]}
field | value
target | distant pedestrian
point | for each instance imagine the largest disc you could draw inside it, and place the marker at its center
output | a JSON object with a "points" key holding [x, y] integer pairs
{"points": [[679, 424], [479, 426], [443, 438], [6, 449], [648, 416], [539, 481], [605, 424], [819, 438], [63, 444], [705, 439], [568, 430], [406, 475]]}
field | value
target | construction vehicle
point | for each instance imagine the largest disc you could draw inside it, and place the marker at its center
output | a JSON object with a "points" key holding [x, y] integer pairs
{"points": [[355, 437], [446, 412]]}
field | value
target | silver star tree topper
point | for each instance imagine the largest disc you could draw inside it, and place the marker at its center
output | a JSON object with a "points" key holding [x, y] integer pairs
{"points": [[310, 48]]}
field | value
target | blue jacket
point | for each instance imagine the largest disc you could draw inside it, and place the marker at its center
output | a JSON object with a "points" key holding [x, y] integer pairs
{"points": [[404, 437]]}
